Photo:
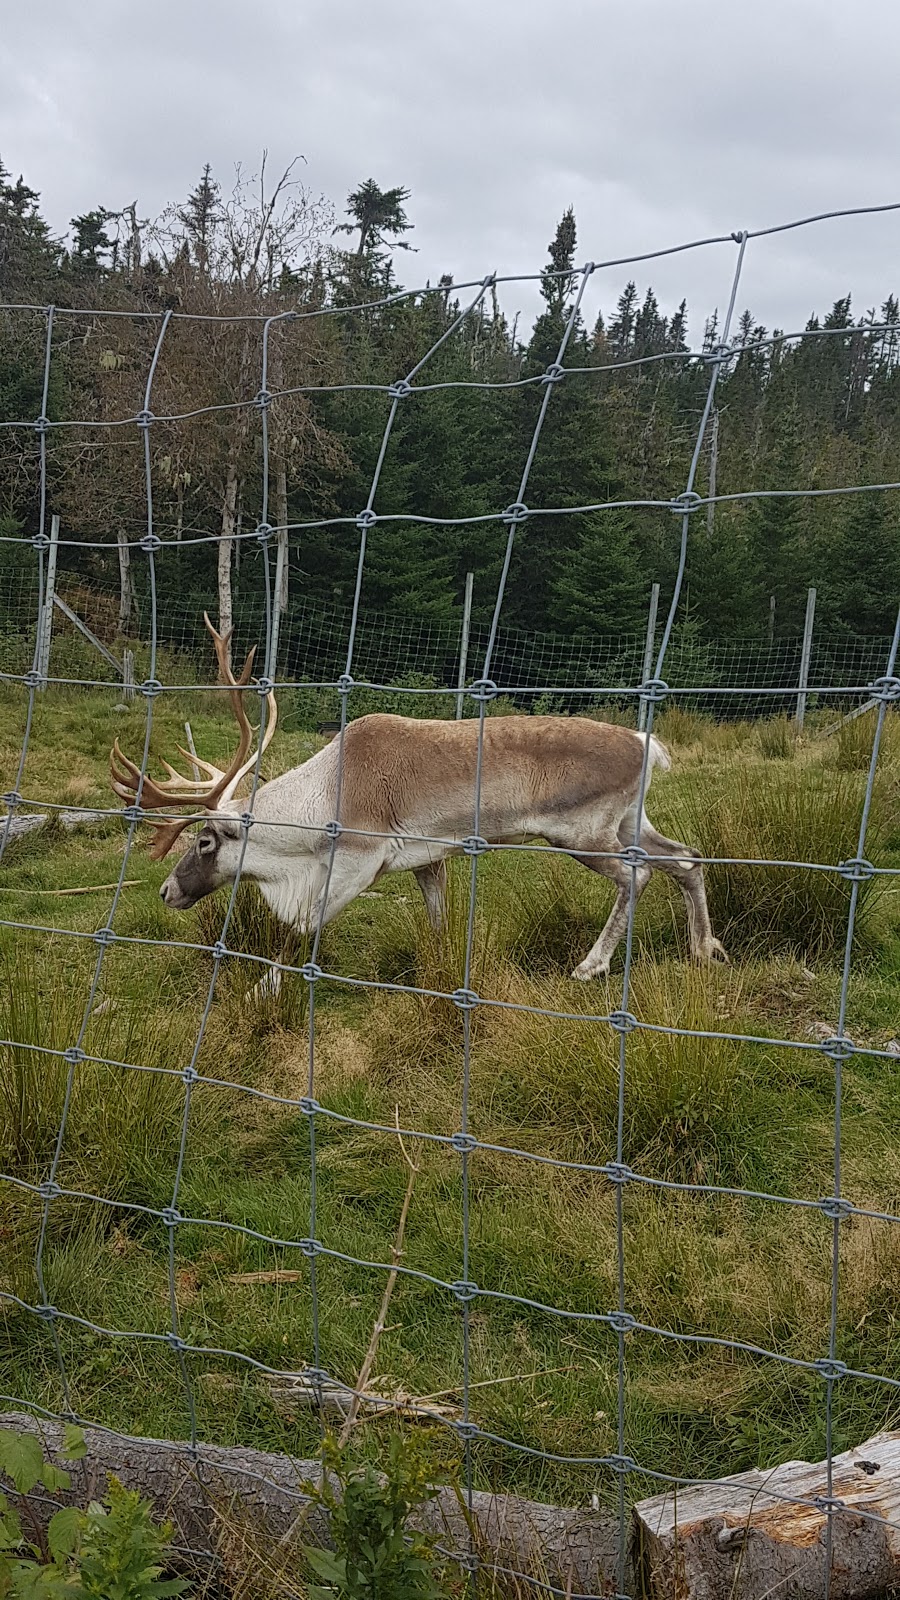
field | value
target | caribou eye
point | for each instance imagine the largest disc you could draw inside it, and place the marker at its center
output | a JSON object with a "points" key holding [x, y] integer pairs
{"points": [[205, 843]]}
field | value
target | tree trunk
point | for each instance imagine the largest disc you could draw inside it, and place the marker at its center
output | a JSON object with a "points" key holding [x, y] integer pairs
{"points": [[734, 1540], [548, 1542], [226, 544], [126, 593]]}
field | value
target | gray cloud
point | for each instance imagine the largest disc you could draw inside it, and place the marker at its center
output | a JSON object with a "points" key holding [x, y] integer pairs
{"points": [[659, 123]]}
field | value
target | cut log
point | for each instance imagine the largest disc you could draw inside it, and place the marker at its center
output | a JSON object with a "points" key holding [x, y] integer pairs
{"points": [[764, 1533], [571, 1547]]}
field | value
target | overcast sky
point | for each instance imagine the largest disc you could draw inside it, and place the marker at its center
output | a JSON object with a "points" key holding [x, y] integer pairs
{"points": [[660, 122]]}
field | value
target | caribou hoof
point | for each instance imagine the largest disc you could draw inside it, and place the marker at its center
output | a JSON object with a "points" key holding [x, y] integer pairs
{"points": [[714, 950], [584, 973]]}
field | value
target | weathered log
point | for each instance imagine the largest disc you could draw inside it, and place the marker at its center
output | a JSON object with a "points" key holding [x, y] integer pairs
{"points": [[574, 1547], [765, 1532]]}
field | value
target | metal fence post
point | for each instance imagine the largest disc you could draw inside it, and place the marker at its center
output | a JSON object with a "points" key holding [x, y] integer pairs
{"points": [[47, 614], [648, 651], [464, 644], [805, 655]]}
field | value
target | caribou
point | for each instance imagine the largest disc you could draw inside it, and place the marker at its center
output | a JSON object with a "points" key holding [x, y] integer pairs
{"points": [[395, 793]]}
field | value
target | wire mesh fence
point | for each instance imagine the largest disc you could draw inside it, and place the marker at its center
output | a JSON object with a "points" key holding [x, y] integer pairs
{"points": [[395, 649], [344, 652]]}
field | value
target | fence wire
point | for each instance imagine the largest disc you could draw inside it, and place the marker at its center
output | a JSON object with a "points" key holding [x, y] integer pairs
{"points": [[324, 649]]}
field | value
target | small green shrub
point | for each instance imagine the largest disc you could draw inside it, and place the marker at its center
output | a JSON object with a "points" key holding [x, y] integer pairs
{"points": [[112, 1551], [376, 1555]]}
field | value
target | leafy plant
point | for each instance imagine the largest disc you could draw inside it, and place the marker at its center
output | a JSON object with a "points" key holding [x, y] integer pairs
{"points": [[112, 1551], [375, 1555]]}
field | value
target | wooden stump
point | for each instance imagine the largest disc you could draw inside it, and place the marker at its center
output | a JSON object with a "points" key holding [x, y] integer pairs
{"points": [[764, 1533]]}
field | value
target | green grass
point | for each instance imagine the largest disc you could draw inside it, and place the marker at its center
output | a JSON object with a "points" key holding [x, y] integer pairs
{"points": [[753, 1115]]}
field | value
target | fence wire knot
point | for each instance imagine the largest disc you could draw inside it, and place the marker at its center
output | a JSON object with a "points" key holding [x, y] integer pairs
{"points": [[856, 871], [150, 543], [345, 683], [829, 1503], [516, 513], [190, 1075], [621, 1321], [467, 1430], [73, 1055], [144, 419], [41, 424], [553, 373], [332, 830], [219, 950], [48, 1190], [475, 845], [485, 689], [47, 1313], [623, 1464], [312, 973], [308, 1106], [618, 1172], [463, 1143], [32, 679], [40, 541], [150, 688], [464, 1291], [466, 999], [11, 799], [367, 518], [104, 936], [247, 820], [885, 689], [310, 1248], [263, 532], [170, 1216], [634, 855], [836, 1208], [684, 504], [654, 690], [829, 1368], [838, 1048], [400, 389], [132, 813], [622, 1021], [262, 399]]}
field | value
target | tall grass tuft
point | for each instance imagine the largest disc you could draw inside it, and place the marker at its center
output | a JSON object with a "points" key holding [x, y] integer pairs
{"points": [[854, 740], [123, 1123], [797, 817], [255, 931], [697, 1109], [776, 739]]}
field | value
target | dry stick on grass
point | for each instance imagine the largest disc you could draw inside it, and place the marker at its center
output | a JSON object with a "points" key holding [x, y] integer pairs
{"points": [[276, 1275], [365, 1370], [89, 888]]}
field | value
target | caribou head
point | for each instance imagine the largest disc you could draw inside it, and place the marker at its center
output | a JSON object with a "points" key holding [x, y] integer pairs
{"points": [[213, 857]]}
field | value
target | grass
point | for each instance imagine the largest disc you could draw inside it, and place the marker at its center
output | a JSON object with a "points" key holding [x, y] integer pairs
{"points": [[738, 1113]]}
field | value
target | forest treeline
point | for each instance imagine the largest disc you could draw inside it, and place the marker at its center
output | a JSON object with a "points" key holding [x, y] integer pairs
{"points": [[814, 412]]}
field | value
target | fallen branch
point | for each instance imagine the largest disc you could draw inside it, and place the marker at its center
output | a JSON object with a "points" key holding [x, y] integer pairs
{"points": [[195, 1491]]}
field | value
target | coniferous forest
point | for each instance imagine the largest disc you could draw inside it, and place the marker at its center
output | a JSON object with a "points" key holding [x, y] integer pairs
{"points": [[801, 413]]}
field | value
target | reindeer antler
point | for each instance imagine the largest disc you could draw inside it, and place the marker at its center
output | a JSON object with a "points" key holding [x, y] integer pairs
{"points": [[218, 787]]}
